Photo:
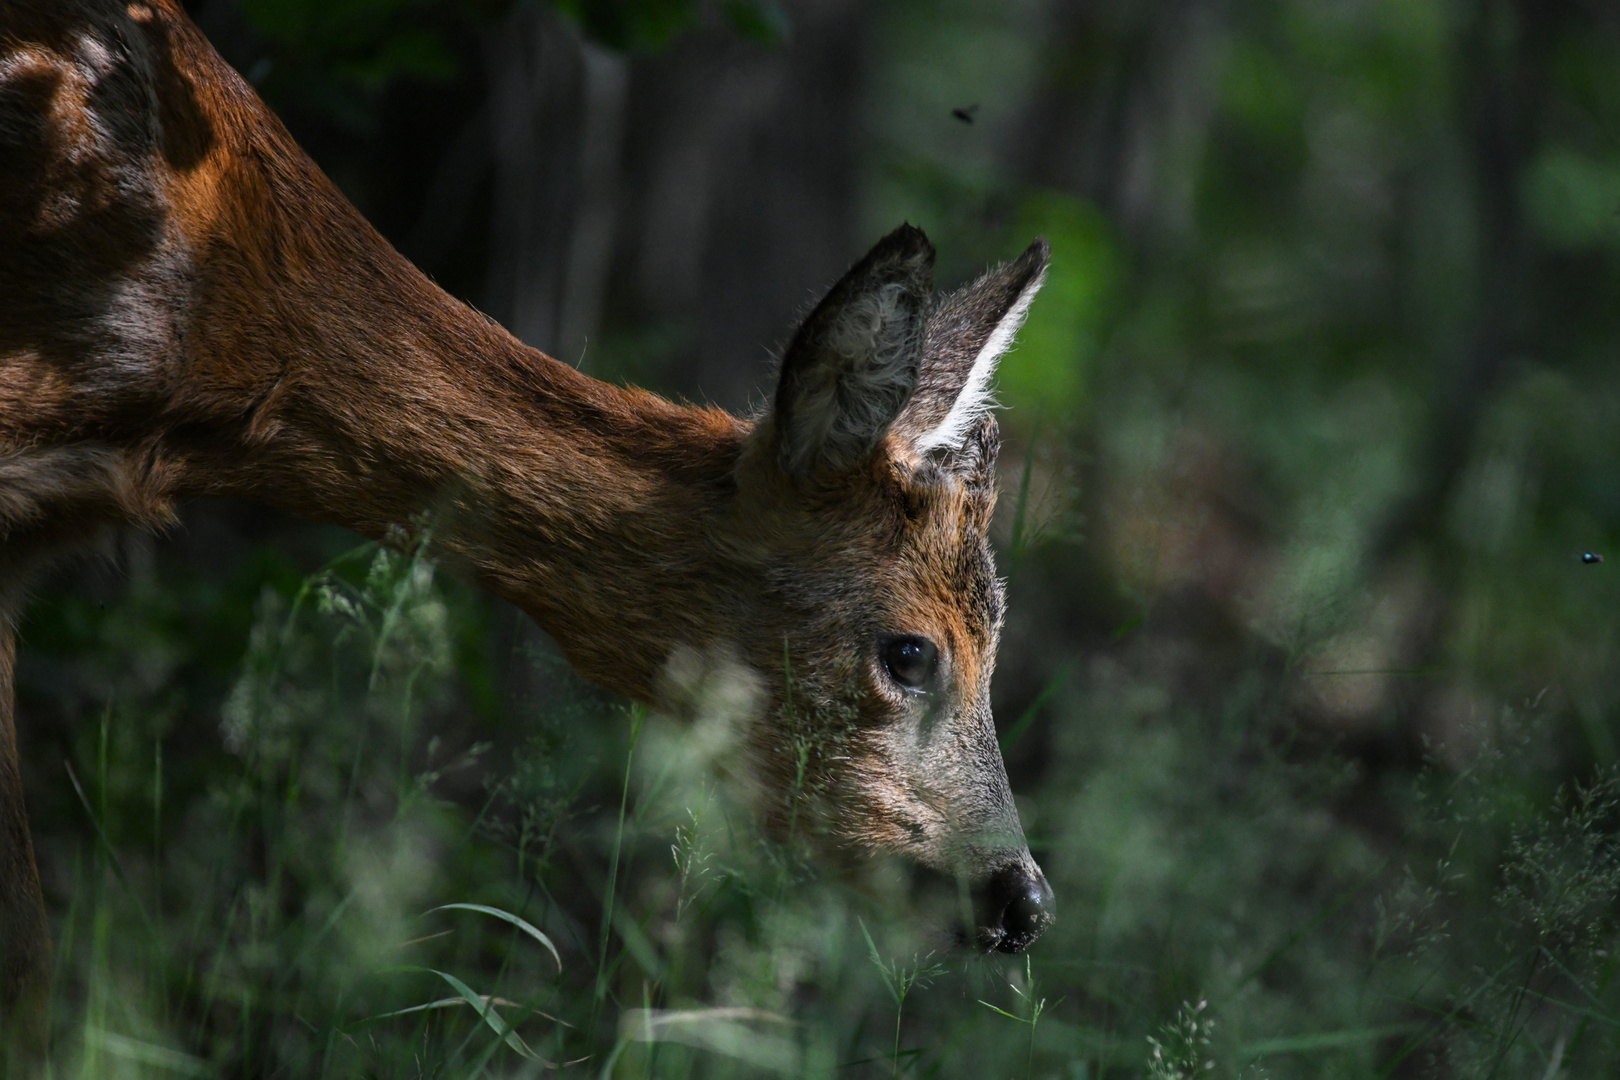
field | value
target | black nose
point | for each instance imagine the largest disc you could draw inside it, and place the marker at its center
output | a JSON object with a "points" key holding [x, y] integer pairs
{"points": [[1018, 906]]}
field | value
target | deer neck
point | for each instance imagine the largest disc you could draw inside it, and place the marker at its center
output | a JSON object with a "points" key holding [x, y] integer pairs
{"points": [[592, 507], [266, 342]]}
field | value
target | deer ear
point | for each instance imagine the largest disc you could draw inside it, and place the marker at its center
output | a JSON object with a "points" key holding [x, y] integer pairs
{"points": [[966, 335], [854, 362]]}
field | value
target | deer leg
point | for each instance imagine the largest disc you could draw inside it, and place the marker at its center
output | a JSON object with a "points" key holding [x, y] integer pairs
{"points": [[25, 944]]}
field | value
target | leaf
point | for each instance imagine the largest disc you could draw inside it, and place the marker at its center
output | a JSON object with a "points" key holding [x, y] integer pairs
{"points": [[506, 916], [145, 1053], [1025, 719], [491, 1017], [1296, 1044], [883, 969], [1003, 1012], [725, 1031], [457, 1002]]}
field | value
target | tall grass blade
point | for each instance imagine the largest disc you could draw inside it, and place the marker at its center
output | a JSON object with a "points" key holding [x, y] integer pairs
{"points": [[151, 1055], [1026, 719], [506, 916], [638, 716], [484, 1006]]}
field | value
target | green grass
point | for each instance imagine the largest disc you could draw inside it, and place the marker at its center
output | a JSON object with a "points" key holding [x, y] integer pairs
{"points": [[354, 889]]}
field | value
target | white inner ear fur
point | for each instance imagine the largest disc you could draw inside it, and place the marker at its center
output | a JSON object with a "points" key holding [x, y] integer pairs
{"points": [[975, 398]]}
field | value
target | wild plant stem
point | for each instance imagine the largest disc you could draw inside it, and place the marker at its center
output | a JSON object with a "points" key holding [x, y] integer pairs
{"points": [[636, 718], [899, 1011], [157, 808], [396, 606], [157, 846], [1020, 530], [1034, 1017]]}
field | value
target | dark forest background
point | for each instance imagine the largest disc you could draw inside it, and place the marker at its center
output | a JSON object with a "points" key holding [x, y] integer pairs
{"points": [[1310, 688]]}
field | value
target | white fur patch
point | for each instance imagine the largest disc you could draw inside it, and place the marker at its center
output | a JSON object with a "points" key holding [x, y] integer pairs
{"points": [[976, 399]]}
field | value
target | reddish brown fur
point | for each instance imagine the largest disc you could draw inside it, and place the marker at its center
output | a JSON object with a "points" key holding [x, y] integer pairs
{"points": [[193, 309]]}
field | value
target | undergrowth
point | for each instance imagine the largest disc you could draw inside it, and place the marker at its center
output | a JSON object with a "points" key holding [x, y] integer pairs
{"points": [[344, 886]]}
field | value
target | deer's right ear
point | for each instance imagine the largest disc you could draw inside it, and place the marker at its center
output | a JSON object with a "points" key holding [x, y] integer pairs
{"points": [[853, 363], [967, 335]]}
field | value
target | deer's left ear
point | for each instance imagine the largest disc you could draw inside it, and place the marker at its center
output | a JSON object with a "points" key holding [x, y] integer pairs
{"points": [[966, 335], [854, 362]]}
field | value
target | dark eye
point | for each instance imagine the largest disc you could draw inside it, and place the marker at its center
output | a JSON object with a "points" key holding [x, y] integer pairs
{"points": [[911, 661]]}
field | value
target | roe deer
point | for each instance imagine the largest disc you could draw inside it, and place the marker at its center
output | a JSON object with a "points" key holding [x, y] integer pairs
{"points": [[189, 307]]}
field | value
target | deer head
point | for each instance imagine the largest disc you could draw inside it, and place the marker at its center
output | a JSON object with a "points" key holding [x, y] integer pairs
{"points": [[218, 320], [869, 487]]}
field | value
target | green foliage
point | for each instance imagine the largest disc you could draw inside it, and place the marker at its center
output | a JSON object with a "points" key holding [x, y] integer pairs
{"points": [[1063, 334], [1574, 200], [370, 41], [764, 22], [1315, 722], [641, 26], [1181, 1049], [337, 56], [899, 980], [631, 25], [314, 904], [1033, 1008]]}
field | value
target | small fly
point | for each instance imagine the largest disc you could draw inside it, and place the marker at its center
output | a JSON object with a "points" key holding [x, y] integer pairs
{"points": [[1590, 557], [966, 114]]}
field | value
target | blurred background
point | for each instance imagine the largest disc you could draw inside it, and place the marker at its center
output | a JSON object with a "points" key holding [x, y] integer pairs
{"points": [[1310, 687]]}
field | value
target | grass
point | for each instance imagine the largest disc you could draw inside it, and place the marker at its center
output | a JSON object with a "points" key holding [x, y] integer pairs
{"points": [[355, 890], [1034, 1008], [899, 980], [273, 847]]}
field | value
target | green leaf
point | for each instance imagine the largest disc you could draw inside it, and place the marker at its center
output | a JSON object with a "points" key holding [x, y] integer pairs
{"points": [[1027, 717], [883, 968], [505, 916], [1323, 1040], [1003, 1012], [491, 1017]]}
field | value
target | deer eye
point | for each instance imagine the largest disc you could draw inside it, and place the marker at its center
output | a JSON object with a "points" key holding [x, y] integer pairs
{"points": [[911, 661]]}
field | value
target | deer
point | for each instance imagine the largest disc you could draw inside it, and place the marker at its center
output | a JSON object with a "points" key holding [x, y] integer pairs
{"points": [[190, 308]]}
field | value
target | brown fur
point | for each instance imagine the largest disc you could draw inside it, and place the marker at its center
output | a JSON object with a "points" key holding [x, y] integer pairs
{"points": [[191, 308]]}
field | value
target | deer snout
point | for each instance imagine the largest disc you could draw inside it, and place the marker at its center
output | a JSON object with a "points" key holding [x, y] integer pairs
{"points": [[1015, 908]]}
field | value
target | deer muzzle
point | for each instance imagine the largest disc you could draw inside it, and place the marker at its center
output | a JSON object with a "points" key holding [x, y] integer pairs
{"points": [[1013, 908]]}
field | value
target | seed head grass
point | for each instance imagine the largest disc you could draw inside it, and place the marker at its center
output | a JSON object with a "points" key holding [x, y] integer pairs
{"points": [[369, 865]]}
